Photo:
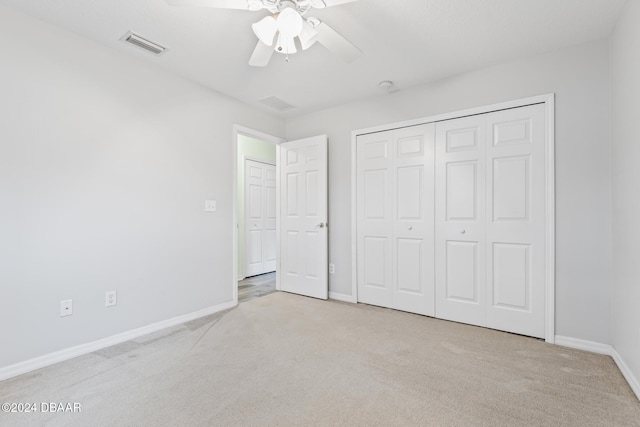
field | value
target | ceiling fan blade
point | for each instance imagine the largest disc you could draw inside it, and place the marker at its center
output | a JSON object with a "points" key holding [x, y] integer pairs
{"points": [[218, 4], [319, 4], [337, 44], [261, 55]]}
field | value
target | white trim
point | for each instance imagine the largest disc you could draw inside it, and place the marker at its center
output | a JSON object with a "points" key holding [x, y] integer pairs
{"points": [[354, 217], [550, 238], [257, 160], [549, 101], [626, 372], [580, 344], [241, 130], [539, 99], [606, 349], [278, 210], [82, 349], [342, 297]]}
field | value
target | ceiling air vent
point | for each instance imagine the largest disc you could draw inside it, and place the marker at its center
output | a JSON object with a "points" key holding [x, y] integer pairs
{"points": [[277, 103], [143, 43]]}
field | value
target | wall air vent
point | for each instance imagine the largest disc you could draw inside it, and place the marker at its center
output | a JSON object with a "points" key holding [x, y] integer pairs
{"points": [[138, 41], [277, 103]]}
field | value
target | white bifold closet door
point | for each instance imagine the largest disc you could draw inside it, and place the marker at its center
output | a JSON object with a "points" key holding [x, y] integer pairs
{"points": [[395, 214], [260, 218], [490, 220]]}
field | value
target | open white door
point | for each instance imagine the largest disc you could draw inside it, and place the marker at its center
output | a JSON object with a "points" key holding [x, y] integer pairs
{"points": [[303, 213]]}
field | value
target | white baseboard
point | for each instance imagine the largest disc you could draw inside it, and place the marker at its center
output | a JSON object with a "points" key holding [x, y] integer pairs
{"points": [[79, 350], [607, 349], [342, 297], [626, 372], [577, 343]]}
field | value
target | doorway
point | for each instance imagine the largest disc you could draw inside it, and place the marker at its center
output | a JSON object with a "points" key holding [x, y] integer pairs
{"points": [[256, 287], [255, 240], [302, 192]]}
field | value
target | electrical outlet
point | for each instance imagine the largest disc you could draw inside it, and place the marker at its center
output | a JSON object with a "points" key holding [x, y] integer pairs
{"points": [[66, 307], [332, 269], [111, 299]]}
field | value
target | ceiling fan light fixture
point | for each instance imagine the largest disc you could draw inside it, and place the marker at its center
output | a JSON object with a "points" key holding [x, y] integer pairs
{"points": [[318, 4], [285, 45], [308, 36], [265, 29], [255, 5], [289, 22]]}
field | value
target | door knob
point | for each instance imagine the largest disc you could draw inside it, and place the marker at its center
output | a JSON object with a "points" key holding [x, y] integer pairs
{"points": [[321, 225], [463, 231], [410, 228]]}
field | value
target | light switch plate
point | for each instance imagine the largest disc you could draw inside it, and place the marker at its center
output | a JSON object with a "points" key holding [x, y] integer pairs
{"points": [[209, 205]]}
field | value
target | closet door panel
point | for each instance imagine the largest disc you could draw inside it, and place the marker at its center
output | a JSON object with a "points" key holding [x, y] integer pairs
{"points": [[460, 250], [413, 216], [374, 219], [260, 222], [395, 202], [516, 220], [269, 246]]}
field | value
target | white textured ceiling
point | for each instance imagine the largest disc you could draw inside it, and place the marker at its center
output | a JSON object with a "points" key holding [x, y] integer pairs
{"points": [[407, 41]]}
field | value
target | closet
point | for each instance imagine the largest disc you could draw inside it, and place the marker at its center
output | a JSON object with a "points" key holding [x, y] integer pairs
{"points": [[451, 219], [260, 218], [395, 214]]}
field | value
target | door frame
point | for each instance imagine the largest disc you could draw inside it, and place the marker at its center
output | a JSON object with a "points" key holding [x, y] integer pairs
{"points": [[242, 130], [549, 101], [244, 194]]}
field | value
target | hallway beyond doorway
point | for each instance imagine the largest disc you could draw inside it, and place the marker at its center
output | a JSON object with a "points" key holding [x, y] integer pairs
{"points": [[256, 286]]}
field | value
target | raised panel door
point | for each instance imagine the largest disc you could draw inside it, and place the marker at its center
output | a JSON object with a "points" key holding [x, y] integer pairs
{"points": [[259, 218], [516, 220], [374, 219], [460, 249], [413, 219], [395, 219], [303, 201]]}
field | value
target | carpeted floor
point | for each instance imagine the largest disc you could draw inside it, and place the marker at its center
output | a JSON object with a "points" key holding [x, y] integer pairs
{"points": [[285, 360]]}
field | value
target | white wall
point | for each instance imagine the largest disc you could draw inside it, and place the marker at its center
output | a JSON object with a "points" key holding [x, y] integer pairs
{"points": [[580, 78], [105, 164], [625, 105]]}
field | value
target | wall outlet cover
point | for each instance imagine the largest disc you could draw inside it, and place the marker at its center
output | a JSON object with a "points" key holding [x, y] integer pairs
{"points": [[111, 299], [66, 307]]}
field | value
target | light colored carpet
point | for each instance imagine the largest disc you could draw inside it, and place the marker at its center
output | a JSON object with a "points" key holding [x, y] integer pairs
{"points": [[286, 360]]}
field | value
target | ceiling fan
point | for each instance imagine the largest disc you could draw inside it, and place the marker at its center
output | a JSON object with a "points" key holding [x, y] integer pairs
{"points": [[287, 22]]}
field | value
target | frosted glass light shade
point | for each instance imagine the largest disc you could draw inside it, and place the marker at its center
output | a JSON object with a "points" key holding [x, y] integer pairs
{"points": [[285, 44], [266, 29], [289, 22]]}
